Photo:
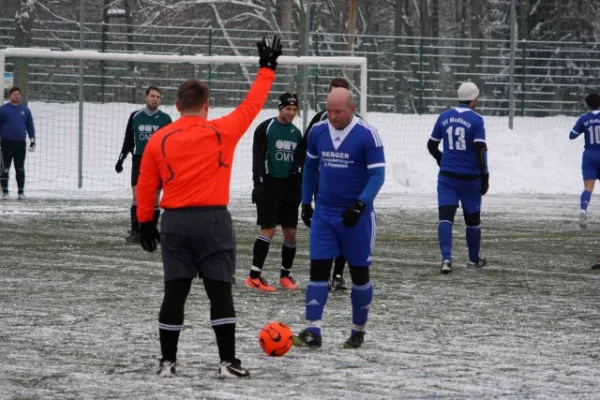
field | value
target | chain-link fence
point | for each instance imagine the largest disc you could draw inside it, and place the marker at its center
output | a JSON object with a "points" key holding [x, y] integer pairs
{"points": [[406, 74]]}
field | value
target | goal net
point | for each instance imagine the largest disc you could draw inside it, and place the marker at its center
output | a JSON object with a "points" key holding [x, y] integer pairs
{"points": [[78, 142]]}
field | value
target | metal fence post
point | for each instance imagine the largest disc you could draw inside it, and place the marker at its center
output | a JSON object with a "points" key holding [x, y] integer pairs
{"points": [[82, 10], [523, 61], [421, 78], [316, 71], [511, 78], [210, 35]]}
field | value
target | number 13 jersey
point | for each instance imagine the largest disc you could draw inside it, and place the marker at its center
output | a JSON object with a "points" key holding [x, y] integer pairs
{"points": [[459, 128]]}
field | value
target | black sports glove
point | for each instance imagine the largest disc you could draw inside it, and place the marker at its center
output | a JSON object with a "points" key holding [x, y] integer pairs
{"points": [[268, 52], [295, 181], [149, 236], [307, 214], [439, 160], [119, 165], [485, 183], [352, 214], [258, 193], [32, 145]]}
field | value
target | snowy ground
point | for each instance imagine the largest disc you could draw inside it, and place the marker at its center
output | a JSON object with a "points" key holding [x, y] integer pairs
{"points": [[79, 309]]}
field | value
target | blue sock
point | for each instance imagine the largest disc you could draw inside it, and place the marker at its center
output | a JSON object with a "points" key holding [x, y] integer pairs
{"points": [[473, 242], [585, 199], [445, 238], [361, 297], [316, 298]]}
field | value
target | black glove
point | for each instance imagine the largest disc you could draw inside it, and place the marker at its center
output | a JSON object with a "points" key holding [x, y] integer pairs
{"points": [[268, 52], [307, 214], [352, 214], [295, 181], [119, 165], [439, 160], [32, 145], [149, 236], [258, 193], [485, 183]]}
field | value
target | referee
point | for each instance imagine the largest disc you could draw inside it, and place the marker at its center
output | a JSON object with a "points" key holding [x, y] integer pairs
{"points": [[192, 158], [276, 191]]}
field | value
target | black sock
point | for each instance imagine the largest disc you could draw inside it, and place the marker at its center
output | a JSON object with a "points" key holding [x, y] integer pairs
{"points": [[222, 316], [225, 341], [261, 249], [288, 253], [156, 216], [339, 265], [170, 318], [135, 227], [168, 344]]}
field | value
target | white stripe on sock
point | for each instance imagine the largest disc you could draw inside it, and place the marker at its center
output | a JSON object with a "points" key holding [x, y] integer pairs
{"points": [[223, 321], [172, 328]]}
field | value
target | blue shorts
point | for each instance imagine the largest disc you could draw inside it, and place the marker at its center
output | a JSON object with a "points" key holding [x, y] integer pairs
{"points": [[590, 165], [329, 238], [451, 191]]}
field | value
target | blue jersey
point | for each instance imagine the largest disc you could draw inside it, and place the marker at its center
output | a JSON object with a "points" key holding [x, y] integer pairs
{"points": [[588, 123], [345, 159], [459, 128], [16, 122]]}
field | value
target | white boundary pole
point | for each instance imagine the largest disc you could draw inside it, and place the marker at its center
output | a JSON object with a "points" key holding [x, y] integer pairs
{"points": [[196, 59], [2, 72]]}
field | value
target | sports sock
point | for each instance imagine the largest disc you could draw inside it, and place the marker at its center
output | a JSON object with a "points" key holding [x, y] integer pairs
{"points": [[135, 227], [361, 297], [473, 242], [445, 238], [586, 196], [288, 253], [338, 266], [316, 298], [261, 249]]}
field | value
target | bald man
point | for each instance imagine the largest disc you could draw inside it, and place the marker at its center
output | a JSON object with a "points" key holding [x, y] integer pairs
{"points": [[345, 155]]}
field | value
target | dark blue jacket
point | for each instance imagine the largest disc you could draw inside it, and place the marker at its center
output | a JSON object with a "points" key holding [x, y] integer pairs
{"points": [[16, 122]]}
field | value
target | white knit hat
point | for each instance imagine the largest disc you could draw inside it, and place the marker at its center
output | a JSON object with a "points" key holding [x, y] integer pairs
{"points": [[468, 91]]}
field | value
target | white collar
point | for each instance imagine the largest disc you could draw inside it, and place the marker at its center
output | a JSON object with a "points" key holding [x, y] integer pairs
{"points": [[337, 135]]}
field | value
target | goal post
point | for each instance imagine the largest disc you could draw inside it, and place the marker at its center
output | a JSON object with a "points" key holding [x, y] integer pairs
{"points": [[30, 52], [80, 136]]}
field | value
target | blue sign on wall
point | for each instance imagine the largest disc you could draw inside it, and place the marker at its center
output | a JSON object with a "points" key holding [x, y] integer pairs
{"points": [[8, 80]]}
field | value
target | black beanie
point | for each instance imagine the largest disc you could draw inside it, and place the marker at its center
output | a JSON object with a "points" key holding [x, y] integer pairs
{"points": [[288, 99]]}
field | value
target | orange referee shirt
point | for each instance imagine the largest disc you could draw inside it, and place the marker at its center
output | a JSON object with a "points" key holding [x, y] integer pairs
{"points": [[192, 157]]}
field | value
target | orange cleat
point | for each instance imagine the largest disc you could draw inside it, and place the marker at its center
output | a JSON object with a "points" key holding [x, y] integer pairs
{"points": [[259, 284], [288, 283]]}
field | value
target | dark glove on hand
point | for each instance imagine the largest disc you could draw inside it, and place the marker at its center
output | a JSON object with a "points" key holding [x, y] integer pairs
{"points": [[119, 165], [307, 214], [295, 181], [258, 193], [352, 214], [485, 183], [32, 145], [439, 160], [149, 236], [268, 52]]}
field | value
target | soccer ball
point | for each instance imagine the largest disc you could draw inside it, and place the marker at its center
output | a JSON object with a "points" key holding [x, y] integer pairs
{"points": [[275, 339]]}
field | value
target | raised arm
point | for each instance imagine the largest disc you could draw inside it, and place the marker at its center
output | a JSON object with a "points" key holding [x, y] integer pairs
{"points": [[236, 123]]}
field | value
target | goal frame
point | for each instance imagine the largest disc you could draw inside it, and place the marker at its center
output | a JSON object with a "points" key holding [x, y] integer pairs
{"points": [[34, 52]]}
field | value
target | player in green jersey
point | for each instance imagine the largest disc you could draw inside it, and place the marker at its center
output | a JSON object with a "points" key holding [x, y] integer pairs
{"points": [[140, 127], [276, 191]]}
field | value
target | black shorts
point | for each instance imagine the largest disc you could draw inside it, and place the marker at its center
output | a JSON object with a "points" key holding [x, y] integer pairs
{"points": [[198, 242], [135, 169], [281, 205]]}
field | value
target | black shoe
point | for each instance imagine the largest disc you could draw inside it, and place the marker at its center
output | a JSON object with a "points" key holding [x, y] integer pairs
{"points": [[233, 369], [481, 262], [307, 339], [596, 266], [133, 238], [446, 267], [355, 341], [338, 283], [166, 369]]}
